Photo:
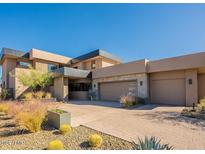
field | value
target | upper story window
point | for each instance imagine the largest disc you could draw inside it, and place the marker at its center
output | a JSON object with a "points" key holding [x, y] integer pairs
{"points": [[93, 66], [52, 67], [23, 64]]}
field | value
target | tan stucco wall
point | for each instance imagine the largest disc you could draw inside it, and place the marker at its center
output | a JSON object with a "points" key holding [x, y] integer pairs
{"points": [[191, 89], [177, 63], [19, 89], [80, 65], [7, 66], [4, 72], [120, 69], [39, 54], [61, 88], [100, 62], [41, 66], [106, 64]]}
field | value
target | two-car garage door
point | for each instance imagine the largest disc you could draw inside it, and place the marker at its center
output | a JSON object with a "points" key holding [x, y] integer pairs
{"points": [[167, 88], [113, 90]]}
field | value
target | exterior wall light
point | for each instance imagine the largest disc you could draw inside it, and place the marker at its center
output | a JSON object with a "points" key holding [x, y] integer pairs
{"points": [[190, 81]]}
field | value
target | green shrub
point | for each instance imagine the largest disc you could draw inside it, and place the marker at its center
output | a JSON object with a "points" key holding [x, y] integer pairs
{"points": [[55, 145], [59, 111], [3, 94], [39, 95], [28, 96], [95, 140], [48, 95], [151, 144], [202, 104], [65, 129]]}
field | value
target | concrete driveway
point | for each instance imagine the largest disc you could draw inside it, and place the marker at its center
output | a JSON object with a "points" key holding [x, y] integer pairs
{"points": [[163, 122]]}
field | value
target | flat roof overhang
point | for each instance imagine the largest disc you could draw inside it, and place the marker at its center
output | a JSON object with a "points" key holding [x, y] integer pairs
{"points": [[71, 73]]}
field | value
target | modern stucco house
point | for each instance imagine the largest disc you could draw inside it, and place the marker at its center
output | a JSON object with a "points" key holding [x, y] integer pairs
{"points": [[175, 81]]}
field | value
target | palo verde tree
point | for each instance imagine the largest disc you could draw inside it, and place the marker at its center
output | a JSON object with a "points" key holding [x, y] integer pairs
{"points": [[35, 79]]}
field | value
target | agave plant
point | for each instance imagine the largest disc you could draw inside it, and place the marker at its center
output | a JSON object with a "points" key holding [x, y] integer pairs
{"points": [[151, 144]]}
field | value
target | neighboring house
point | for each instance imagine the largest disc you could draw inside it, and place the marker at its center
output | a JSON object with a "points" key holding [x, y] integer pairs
{"points": [[175, 81]]}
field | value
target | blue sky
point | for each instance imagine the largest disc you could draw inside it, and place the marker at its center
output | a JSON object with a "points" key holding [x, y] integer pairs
{"points": [[130, 31]]}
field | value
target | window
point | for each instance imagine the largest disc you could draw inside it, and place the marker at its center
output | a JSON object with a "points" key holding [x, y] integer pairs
{"points": [[79, 86], [52, 67], [93, 64], [23, 64]]}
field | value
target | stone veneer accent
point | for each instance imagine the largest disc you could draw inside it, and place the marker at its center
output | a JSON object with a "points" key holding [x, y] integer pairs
{"points": [[142, 89]]}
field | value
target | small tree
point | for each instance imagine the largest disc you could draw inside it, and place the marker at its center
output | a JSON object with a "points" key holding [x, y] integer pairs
{"points": [[35, 78]]}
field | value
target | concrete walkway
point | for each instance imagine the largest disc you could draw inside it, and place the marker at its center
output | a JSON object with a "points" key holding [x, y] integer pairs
{"points": [[163, 122]]}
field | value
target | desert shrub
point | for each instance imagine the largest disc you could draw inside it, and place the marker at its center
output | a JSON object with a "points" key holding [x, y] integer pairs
{"points": [[151, 144], [32, 115], [14, 108], [4, 107], [65, 129], [127, 100], [39, 94], [55, 145], [95, 140], [28, 96], [3, 94], [48, 95], [202, 104]]}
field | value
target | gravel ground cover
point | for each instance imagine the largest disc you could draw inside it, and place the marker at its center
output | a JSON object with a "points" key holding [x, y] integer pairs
{"points": [[12, 137]]}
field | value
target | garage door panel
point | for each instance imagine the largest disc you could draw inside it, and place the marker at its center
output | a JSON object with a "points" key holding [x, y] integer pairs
{"points": [[113, 90], [169, 91]]}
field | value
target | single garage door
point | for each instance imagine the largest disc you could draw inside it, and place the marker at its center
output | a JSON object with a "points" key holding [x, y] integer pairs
{"points": [[201, 86], [168, 91], [113, 90]]}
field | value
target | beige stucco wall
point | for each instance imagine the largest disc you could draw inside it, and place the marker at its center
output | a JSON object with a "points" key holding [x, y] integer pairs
{"points": [[41, 66], [61, 88], [191, 89], [39, 54], [4, 72], [191, 61], [106, 63], [19, 89], [100, 62], [7, 66], [120, 69]]}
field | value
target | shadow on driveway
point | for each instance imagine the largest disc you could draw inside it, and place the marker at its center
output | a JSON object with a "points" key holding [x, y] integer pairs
{"points": [[96, 103], [174, 117]]}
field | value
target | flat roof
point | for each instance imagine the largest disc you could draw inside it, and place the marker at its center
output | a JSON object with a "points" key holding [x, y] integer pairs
{"points": [[93, 54], [13, 53], [71, 72]]}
